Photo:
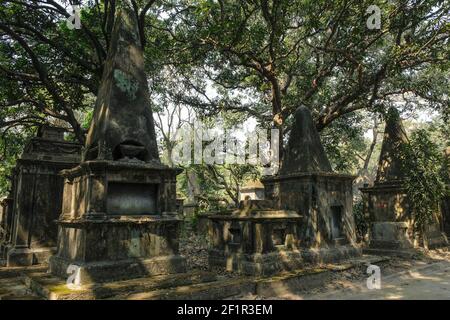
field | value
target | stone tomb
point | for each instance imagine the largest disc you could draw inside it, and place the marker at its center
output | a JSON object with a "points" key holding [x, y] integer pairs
{"points": [[2, 212], [255, 239], [253, 190], [37, 196], [386, 204], [306, 215], [307, 185], [6, 225], [8, 219], [119, 218]]}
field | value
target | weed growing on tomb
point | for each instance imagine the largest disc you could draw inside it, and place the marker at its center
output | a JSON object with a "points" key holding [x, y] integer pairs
{"points": [[424, 186]]}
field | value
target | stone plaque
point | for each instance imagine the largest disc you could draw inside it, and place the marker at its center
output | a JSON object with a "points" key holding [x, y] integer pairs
{"points": [[131, 199]]}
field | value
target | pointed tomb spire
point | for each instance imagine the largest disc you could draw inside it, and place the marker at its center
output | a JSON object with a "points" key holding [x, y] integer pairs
{"points": [[389, 165], [122, 127], [304, 152]]}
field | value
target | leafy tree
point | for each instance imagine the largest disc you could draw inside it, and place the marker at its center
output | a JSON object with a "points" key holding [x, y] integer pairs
{"points": [[47, 70], [344, 143], [220, 183], [259, 58], [319, 53], [11, 146]]}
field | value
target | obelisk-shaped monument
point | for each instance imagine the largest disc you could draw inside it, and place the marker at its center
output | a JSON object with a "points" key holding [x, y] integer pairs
{"points": [[391, 228], [389, 164], [119, 215], [122, 126], [307, 184], [304, 151]]}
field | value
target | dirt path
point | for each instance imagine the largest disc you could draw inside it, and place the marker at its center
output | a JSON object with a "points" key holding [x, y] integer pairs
{"points": [[427, 282], [426, 276]]}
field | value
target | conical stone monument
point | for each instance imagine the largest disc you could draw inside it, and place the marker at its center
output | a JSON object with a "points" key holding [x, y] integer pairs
{"points": [[122, 127], [304, 151], [389, 164], [119, 217], [307, 185], [386, 204]]}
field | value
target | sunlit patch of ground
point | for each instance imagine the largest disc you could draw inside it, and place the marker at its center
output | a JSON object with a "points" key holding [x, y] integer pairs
{"points": [[427, 276]]}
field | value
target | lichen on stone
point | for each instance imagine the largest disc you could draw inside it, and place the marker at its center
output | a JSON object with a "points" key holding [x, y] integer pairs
{"points": [[126, 83]]}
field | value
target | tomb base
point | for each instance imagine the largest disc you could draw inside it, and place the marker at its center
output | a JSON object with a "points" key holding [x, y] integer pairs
{"points": [[390, 235], [279, 261], [119, 221], [256, 264], [104, 271], [255, 240], [327, 232], [332, 254], [17, 256], [391, 222], [118, 248]]}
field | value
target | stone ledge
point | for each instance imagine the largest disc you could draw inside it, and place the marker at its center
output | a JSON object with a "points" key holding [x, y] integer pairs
{"points": [[260, 215], [125, 219], [99, 166], [107, 271], [298, 175], [193, 285], [402, 253], [55, 288], [29, 256], [202, 291]]}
